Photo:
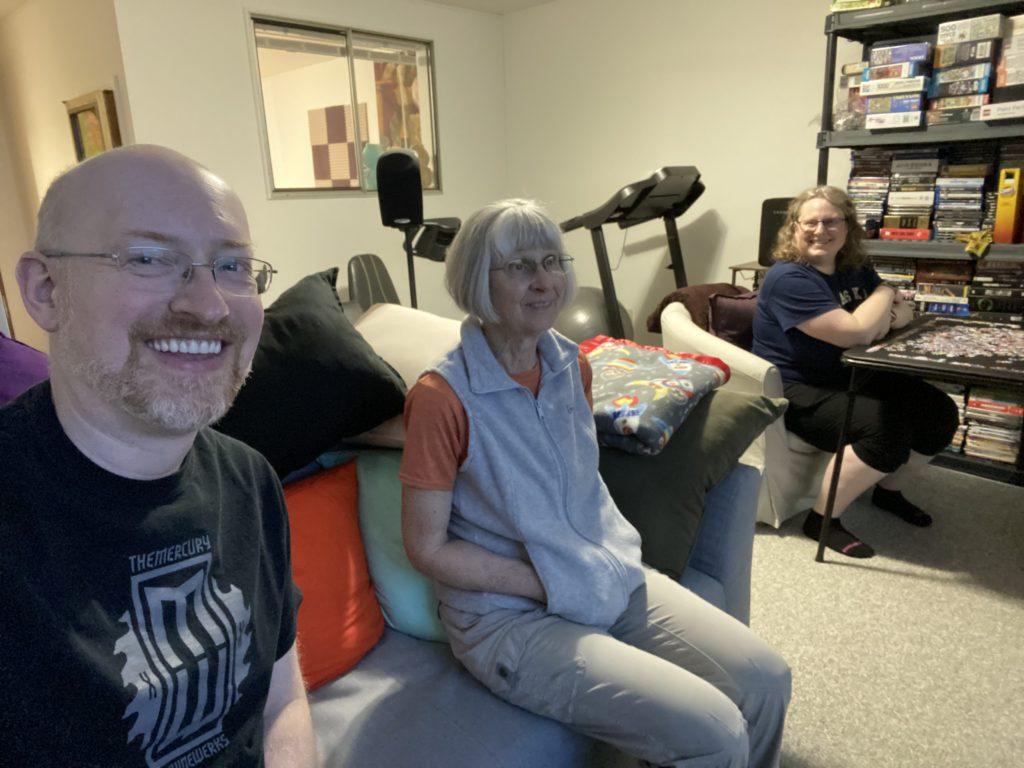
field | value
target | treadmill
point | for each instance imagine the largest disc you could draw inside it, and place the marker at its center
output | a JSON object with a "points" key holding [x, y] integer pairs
{"points": [[666, 194]]}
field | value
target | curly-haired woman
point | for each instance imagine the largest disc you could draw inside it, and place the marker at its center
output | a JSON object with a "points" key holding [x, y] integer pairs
{"points": [[820, 298]]}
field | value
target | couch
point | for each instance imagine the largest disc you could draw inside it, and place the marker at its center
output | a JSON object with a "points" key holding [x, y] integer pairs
{"points": [[402, 700], [791, 468], [408, 702]]}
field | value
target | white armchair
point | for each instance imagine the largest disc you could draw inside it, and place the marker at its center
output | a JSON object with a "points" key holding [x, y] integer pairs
{"points": [[791, 469]]}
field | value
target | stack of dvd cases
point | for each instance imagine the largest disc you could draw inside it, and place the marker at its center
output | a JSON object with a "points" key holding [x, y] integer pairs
{"points": [[908, 208], [898, 272], [868, 186], [994, 422], [971, 166], [895, 83], [997, 290], [959, 206]]}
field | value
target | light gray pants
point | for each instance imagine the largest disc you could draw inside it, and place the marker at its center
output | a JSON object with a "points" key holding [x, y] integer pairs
{"points": [[674, 681]]}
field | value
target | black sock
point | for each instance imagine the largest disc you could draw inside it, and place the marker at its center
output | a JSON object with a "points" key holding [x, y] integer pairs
{"points": [[895, 502], [839, 539]]}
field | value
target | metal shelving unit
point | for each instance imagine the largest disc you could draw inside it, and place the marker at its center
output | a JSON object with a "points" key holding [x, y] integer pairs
{"points": [[929, 249], [993, 470], [918, 17], [918, 20], [914, 20], [935, 134]]}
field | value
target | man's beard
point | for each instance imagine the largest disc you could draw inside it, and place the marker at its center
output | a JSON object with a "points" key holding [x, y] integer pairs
{"points": [[178, 403]]}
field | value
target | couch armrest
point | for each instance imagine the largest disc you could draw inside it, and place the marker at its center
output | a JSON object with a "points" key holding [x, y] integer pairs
{"points": [[725, 543], [750, 373]]}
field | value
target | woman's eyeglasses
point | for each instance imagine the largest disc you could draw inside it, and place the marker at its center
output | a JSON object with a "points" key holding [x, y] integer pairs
{"points": [[811, 225], [525, 269]]}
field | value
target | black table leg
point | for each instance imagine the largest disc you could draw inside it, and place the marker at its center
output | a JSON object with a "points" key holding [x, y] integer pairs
{"points": [[851, 394]]}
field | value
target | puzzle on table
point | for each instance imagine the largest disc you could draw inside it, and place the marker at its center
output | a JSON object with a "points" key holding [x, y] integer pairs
{"points": [[971, 345]]}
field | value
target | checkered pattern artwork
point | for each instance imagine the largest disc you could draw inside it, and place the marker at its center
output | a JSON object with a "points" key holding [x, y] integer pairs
{"points": [[333, 141]]}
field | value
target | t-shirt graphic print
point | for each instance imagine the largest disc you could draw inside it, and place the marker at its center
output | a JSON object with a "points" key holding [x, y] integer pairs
{"points": [[184, 646]]}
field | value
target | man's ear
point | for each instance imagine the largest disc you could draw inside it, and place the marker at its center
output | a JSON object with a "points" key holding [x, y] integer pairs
{"points": [[36, 281]]}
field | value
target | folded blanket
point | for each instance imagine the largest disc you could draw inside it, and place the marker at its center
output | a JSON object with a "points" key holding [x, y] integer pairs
{"points": [[642, 394]]}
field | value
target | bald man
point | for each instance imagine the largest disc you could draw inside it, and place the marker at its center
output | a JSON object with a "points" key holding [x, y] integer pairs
{"points": [[148, 605]]}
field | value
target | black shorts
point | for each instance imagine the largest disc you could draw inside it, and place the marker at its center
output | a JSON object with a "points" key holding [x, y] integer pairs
{"points": [[892, 415]]}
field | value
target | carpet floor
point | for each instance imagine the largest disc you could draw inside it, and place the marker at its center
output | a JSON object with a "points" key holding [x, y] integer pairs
{"points": [[914, 657]]}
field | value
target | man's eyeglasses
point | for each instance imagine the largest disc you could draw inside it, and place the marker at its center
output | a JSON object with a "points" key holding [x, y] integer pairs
{"points": [[164, 270], [525, 269], [811, 225]]}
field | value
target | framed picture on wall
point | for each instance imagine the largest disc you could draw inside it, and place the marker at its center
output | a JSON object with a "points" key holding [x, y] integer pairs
{"points": [[93, 123]]}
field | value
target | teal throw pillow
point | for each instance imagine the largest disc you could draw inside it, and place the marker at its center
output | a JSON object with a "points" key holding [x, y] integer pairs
{"points": [[406, 596]]}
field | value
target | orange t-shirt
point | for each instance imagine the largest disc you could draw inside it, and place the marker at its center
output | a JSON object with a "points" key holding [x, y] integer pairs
{"points": [[437, 427]]}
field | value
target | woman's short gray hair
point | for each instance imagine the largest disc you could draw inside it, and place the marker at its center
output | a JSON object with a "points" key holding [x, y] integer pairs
{"points": [[493, 233]]}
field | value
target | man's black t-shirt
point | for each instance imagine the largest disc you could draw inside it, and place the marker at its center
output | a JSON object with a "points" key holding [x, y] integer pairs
{"points": [[140, 619]]}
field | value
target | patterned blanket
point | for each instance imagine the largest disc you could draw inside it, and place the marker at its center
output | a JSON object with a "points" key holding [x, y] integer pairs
{"points": [[642, 394]]}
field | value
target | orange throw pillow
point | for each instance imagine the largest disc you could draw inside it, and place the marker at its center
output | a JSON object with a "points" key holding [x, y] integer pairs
{"points": [[340, 619]]}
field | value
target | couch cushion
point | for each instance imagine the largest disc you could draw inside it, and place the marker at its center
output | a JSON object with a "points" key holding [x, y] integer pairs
{"points": [[700, 454], [410, 704], [339, 619], [314, 379], [410, 340], [406, 596], [732, 318]]}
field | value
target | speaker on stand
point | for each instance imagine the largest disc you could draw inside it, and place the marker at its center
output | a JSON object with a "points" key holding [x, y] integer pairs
{"points": [[400, 194]]}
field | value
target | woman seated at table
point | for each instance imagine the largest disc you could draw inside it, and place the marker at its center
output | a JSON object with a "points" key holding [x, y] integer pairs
{"points": [[820, 298], [542, 592]]}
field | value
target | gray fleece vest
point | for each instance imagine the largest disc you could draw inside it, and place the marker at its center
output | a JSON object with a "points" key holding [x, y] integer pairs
{"points": [[530, 488]]}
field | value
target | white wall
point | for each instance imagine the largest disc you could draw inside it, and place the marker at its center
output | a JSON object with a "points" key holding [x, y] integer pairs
{"points": [[565, 102], [601, 93], [190, 85], [14, 237], [50, 51]]}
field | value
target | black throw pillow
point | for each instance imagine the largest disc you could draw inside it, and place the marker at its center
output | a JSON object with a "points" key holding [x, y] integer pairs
{"points": [[314, 381]]}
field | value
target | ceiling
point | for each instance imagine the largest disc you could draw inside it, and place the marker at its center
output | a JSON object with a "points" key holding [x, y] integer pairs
{"points": [[489, 6]]}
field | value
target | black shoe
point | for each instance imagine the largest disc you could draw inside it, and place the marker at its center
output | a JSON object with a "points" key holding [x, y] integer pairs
{"points": [[895, 502], [839, 539]]}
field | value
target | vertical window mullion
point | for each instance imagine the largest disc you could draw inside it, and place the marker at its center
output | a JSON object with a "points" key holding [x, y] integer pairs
{"points": [[355, 107]]}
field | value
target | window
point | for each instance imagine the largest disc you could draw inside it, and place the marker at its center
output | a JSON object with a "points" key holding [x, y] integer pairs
{"points": [[333, 100]]}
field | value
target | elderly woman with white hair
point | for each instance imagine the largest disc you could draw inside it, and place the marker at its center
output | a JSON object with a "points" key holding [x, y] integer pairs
{"points": [[543, 595]]}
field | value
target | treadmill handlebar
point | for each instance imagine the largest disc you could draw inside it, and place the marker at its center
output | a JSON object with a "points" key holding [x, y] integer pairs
{"points": [[668, 191]]}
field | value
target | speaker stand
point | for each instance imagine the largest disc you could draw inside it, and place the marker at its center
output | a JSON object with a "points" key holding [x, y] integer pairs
{"points": [[409, 231]]}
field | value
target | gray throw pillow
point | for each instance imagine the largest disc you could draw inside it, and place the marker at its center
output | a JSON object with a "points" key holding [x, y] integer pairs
{"points": [[663, 495]]}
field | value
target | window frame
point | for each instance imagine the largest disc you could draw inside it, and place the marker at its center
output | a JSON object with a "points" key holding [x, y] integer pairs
{"points": [[273, 193]]}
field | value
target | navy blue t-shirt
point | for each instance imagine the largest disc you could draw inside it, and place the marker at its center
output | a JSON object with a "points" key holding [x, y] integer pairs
{"points": [[794, 293]]}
